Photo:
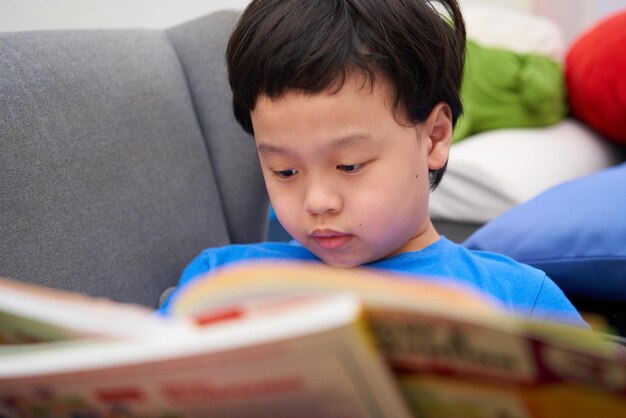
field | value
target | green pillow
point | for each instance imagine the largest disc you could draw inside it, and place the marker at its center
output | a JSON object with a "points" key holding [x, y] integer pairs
{"points": [[506, 89]]}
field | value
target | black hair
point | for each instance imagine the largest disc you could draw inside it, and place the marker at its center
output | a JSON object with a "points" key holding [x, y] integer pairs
{"points": [[311, 45]]}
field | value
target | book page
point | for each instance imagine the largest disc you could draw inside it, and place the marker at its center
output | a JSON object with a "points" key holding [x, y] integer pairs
{"points": [[266, 366], [451, 368], [445, 342], [296, 340], [375, 288], [32, 314]]}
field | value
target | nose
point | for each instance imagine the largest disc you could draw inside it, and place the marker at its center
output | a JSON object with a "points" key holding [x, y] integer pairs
{"points": [[322, 198]]}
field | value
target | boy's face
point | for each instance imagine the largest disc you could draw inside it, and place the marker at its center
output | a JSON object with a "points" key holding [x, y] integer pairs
{"points": [[345, 178]]}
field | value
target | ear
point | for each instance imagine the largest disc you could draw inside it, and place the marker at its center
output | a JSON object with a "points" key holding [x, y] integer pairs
{"points": [[437, 130]]}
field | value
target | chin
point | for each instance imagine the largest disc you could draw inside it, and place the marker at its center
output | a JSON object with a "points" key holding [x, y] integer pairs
{"points": [[339, 258], [341, 262], [341, 265]]}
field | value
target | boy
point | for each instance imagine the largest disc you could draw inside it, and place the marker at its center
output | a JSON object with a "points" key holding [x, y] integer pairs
{"points": [[352, 104]]}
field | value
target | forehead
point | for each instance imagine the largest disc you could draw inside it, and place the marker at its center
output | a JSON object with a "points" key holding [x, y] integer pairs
{"points": [[357, 116], [371, 92]]}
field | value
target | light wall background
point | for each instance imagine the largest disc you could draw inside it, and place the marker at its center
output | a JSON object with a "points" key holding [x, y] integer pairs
{"points": [[573, 16]]}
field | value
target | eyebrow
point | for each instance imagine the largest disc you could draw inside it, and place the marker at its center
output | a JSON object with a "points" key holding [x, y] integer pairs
{"points": [[347, 141]]}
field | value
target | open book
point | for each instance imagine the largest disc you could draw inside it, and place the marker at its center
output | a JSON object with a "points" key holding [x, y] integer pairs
{"points": [[299, 340]]}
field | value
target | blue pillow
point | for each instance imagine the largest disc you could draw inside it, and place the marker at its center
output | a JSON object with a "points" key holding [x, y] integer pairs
{"points": [[575, 232]]}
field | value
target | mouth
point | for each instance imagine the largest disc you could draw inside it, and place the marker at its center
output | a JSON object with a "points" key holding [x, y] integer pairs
{"points": [[330, 240]]}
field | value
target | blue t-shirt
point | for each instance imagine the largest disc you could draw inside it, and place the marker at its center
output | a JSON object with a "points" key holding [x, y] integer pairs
{"points": [[520, 288]]}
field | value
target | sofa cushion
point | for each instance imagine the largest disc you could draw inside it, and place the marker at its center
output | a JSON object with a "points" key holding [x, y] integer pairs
{"points": [[574, 232], [106, 185], [491, 172], [594, 72], [506, 89]]}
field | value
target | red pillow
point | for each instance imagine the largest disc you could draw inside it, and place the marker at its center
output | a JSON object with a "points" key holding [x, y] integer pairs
{"points": [[595, 73]]}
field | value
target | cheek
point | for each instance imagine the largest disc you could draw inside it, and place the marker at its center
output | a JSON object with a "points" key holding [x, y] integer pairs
{"points": [[393, 203], [373, 210]]}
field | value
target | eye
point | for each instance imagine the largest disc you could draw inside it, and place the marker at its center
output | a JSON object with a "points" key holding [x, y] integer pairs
{"points": [[349, 168], [285, 174]]}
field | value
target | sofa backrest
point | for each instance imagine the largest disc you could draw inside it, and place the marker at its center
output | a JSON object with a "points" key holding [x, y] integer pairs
{"points": [[120, 159], [201, 48]]}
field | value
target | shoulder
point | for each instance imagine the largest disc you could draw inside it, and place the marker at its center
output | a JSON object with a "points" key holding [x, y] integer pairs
{"points": [[521, 288], [524, 289], [448, 259], [516, 284]]}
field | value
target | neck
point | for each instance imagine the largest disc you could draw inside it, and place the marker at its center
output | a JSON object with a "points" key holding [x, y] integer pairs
{"points": [[426, 236]]}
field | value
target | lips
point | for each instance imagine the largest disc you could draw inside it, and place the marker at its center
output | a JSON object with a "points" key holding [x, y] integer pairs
{"points": [[330, 240]]}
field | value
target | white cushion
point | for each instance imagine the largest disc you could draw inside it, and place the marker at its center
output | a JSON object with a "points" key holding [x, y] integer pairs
{"points": [[515, 30], [491, 172]]}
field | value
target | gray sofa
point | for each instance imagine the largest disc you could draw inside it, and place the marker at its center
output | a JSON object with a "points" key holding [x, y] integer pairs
{"points": [[120, 159]]}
